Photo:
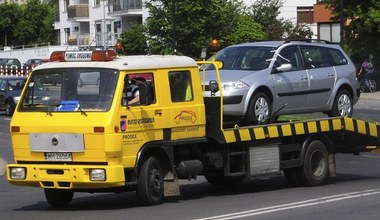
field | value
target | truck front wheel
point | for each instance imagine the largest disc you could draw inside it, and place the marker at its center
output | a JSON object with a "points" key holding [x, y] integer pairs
{"points": [[59, 197], [150, 188]]}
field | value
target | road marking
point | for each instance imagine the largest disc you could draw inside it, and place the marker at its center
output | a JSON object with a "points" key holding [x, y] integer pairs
{"points": [[371, 156], [294, 205]]}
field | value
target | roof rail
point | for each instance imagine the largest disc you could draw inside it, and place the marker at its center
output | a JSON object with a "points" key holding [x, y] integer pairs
{"points": [[308, 40]]}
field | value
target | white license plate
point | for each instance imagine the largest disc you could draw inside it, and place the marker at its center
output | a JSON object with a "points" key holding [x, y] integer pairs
{"points": [[58, 156]]}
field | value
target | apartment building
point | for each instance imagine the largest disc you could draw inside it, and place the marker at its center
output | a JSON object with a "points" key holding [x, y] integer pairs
{"points": [[13, 1], [95, 22], [100, 22]]}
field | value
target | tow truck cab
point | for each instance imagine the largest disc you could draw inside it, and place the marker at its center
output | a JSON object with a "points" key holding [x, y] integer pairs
{"points": [[70, 135]]}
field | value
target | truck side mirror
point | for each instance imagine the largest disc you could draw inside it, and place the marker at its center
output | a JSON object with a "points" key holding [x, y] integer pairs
{"points": [[144, 91], [213, 86]]}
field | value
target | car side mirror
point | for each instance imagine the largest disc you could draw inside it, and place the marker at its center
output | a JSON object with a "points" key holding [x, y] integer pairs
{"points": [[283, 68]]}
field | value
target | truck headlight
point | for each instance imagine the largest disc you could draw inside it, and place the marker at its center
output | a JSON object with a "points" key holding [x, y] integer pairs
{"points": [[97, 175], [18, 173]]}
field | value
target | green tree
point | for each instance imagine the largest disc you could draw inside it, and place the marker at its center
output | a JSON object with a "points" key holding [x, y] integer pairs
{"points": [[197, 22], [266, 12], [135, 40], [362, 32], [245, 30], [26, 24], [298, 31], [9, 19], [36, 25]]}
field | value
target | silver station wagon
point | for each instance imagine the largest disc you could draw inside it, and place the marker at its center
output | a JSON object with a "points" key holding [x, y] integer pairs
{"points": [[262, 80]]}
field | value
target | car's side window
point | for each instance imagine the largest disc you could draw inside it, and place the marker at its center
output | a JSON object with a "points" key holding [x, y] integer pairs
{"points": [[337, 57], [290, 55], [313, 57], [3, 85]]}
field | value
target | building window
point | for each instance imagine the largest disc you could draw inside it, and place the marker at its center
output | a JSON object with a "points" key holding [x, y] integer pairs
{"points": [[305, 15], [66, 4], [329, 32], [67, 34], [96, 2]]}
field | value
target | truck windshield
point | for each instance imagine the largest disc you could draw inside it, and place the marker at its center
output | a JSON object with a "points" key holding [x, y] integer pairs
{"points": [[69, 90]]}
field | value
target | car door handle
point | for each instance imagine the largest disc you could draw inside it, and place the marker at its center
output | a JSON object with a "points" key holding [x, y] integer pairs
{"points": [[330, 74], [304, 78]]}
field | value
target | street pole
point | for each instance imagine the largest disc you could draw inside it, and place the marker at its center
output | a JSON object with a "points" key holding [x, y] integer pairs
{"points": [[174, 27], [341, 23]]}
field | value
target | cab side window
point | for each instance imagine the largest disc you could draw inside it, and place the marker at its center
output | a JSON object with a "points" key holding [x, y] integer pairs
{"points": [[180, 86], [138, 86]]}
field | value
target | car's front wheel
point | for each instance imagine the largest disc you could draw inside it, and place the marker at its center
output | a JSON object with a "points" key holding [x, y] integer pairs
{"points": [[343, 105], [259, 109], [9, 108]]}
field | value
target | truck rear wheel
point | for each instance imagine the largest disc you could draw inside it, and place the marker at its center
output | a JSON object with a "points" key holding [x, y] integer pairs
{"points": [[59, 197], [314, 171], [150, 188]]}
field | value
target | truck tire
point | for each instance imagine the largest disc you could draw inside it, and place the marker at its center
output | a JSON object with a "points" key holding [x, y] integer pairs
{"points": [[59, 198], [343, 105], [259, 109], [150, 187], [314, 171]]}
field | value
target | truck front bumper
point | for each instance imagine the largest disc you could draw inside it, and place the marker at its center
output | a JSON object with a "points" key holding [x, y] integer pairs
{"points": [[63, 176]]}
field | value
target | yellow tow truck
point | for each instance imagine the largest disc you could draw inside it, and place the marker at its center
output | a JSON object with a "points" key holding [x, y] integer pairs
{"points": [[74, 130]]}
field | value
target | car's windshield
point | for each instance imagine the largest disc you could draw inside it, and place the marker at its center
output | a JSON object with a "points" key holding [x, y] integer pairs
{"points": [[57, 90], [16, 84], [245, 57]]}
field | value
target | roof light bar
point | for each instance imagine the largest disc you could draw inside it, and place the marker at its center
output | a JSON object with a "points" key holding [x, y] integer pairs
{"points": [[78, 56]]}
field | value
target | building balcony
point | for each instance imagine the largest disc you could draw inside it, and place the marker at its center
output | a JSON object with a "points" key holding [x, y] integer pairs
{"points": [[77, 11], [124, 7], [80, 39]]}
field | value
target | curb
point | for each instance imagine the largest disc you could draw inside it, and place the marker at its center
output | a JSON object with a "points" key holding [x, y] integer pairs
{"points": [[370, 96]]}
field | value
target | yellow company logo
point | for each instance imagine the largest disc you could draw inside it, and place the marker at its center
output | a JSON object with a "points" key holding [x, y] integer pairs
{"points": [[188, 116]]}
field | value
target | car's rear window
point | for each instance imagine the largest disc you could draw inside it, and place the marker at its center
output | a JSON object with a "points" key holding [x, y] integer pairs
{"points": [[337, 57]]}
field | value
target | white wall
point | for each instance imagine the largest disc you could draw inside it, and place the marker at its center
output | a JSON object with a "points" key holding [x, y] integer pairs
{"points": [[289, 10]]}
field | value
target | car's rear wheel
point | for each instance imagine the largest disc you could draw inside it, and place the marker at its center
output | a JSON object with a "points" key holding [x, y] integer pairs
{"points": [[259, 109], [343, 105]]}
